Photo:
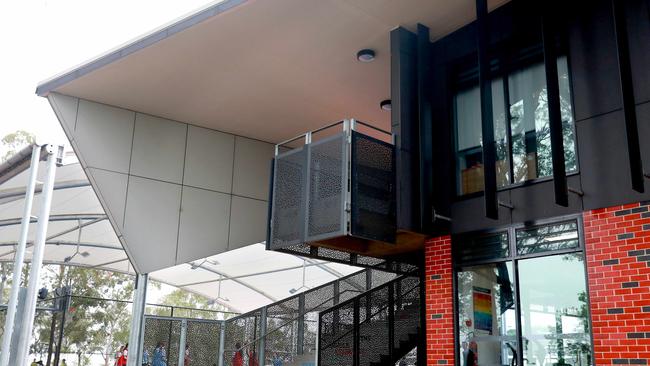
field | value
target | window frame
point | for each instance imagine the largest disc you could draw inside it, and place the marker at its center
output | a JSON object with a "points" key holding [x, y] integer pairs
{"points": [[502, 66], [514, 258]]}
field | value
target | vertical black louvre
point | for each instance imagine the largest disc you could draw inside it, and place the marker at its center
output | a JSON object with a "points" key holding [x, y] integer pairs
{"points": [[553, 102], [487, 123], [627, 91]]}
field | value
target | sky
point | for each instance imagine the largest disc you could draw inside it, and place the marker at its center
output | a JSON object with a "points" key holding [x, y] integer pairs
{"points": [[42, 38]]}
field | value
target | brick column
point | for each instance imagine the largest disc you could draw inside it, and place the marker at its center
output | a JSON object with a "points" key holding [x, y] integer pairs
{"points": [[617, 245], [439, 301]]}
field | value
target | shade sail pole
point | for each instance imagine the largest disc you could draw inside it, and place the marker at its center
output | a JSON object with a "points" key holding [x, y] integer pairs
{"points": [[37, 257], [20, 257]]}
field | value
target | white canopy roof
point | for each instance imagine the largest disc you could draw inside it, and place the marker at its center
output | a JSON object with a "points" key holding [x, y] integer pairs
{"points": [[250, 276]]}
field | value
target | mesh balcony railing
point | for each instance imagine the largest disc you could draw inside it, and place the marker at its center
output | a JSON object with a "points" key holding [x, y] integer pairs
{"points": [[375, 328], [335, 191]]}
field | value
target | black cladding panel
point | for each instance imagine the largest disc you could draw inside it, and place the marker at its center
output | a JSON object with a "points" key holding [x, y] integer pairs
{"points": [[592, 61], [469, 214], [604, 164], [638, 26], [537, 201]]}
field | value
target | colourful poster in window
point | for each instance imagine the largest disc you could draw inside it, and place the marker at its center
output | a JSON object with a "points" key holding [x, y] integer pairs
{"points": [[482, 309]]}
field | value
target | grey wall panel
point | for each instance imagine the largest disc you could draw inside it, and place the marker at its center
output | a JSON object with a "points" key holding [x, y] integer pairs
{"points": [[103, 136], [204, 222], [65, 108], [537, 201], [111, 188], [151, 222], [592, 61], [252, 168], [158, 148], [604, 164], [209, 159], [469, 214], [247, 222]]}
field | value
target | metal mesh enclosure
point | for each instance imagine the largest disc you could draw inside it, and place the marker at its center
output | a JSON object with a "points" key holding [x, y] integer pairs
{"points": [[164, 330], [203, 341], [377, 327], [327, 173], [373, 188], [245, 330], [288, 207]]}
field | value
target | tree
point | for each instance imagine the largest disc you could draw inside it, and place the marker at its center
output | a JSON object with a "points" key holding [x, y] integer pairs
{"points": [[184, 299], [15, 141]]}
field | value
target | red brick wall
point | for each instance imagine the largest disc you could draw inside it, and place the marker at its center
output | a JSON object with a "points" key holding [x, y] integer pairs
{"points": [[439, 301], [617, 244]]}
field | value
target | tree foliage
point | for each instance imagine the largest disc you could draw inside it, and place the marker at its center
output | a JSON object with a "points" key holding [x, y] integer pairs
{"points": [[14, 142]]}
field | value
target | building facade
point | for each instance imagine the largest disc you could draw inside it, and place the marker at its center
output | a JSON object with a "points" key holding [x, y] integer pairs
{"points": [[514, 177]]}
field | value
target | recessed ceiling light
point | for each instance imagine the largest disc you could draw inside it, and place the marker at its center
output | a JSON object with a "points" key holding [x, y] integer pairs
{"points": [[366, 55], [386, 105]]}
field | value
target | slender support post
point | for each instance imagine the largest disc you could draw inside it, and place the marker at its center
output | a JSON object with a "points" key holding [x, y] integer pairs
{"points": [[485, 83], [356, 347], [50, 344], [137, 321], [222, 343], [182, 343], [20, 258], [300, 349], [554, 111], [37, 257], [391, 320], [627, 91], [66, 304], [262, 343]]}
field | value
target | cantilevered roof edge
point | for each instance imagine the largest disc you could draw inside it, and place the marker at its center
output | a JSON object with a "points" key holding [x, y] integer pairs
{"points": [[176, 26]]}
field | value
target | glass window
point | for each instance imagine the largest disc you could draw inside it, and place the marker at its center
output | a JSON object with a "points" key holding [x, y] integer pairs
{"points": [[554, 311], [479, 248], [548, 238], [486, 315], [527, 116], [531, 141], [469, 140]]}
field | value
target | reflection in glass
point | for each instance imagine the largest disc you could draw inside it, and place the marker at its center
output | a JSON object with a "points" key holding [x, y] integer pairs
{"points": [[559, 236], [486, 315], [469, 142], [531, 141], [480, 248], [554, 311]]}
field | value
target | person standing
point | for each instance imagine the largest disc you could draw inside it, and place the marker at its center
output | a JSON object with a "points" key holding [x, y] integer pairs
{"points": [[186, 359], [238, 357], [124, 355], [160, 355]]}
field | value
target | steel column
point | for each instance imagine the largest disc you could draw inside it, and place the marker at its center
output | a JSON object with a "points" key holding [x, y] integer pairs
{"points": [[182, 342], [20, 258], [137, 320], [627, 92], [487, 122], [301, 325], [222, 343], [37, 257], [66, 304], [554, 110], [356, 344], [391, 319], [262, 342]]}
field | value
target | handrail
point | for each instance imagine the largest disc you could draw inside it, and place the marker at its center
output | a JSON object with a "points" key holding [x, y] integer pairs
{"points": [[410, 274], [288, 321], [367, 318]]}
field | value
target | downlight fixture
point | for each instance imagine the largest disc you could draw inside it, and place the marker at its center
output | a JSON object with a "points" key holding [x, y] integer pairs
{"points": [[386, 105], [366, 55]]}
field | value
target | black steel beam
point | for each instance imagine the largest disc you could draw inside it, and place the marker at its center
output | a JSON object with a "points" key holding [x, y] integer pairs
{"points": [[487, 123], [627, 92], [425, 126], [553, 103]]}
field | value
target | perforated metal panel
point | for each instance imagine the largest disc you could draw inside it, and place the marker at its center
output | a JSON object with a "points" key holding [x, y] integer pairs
{"points": [[327, 188], [163, 330], [203, 341], [289, 199], [373, 201]]}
